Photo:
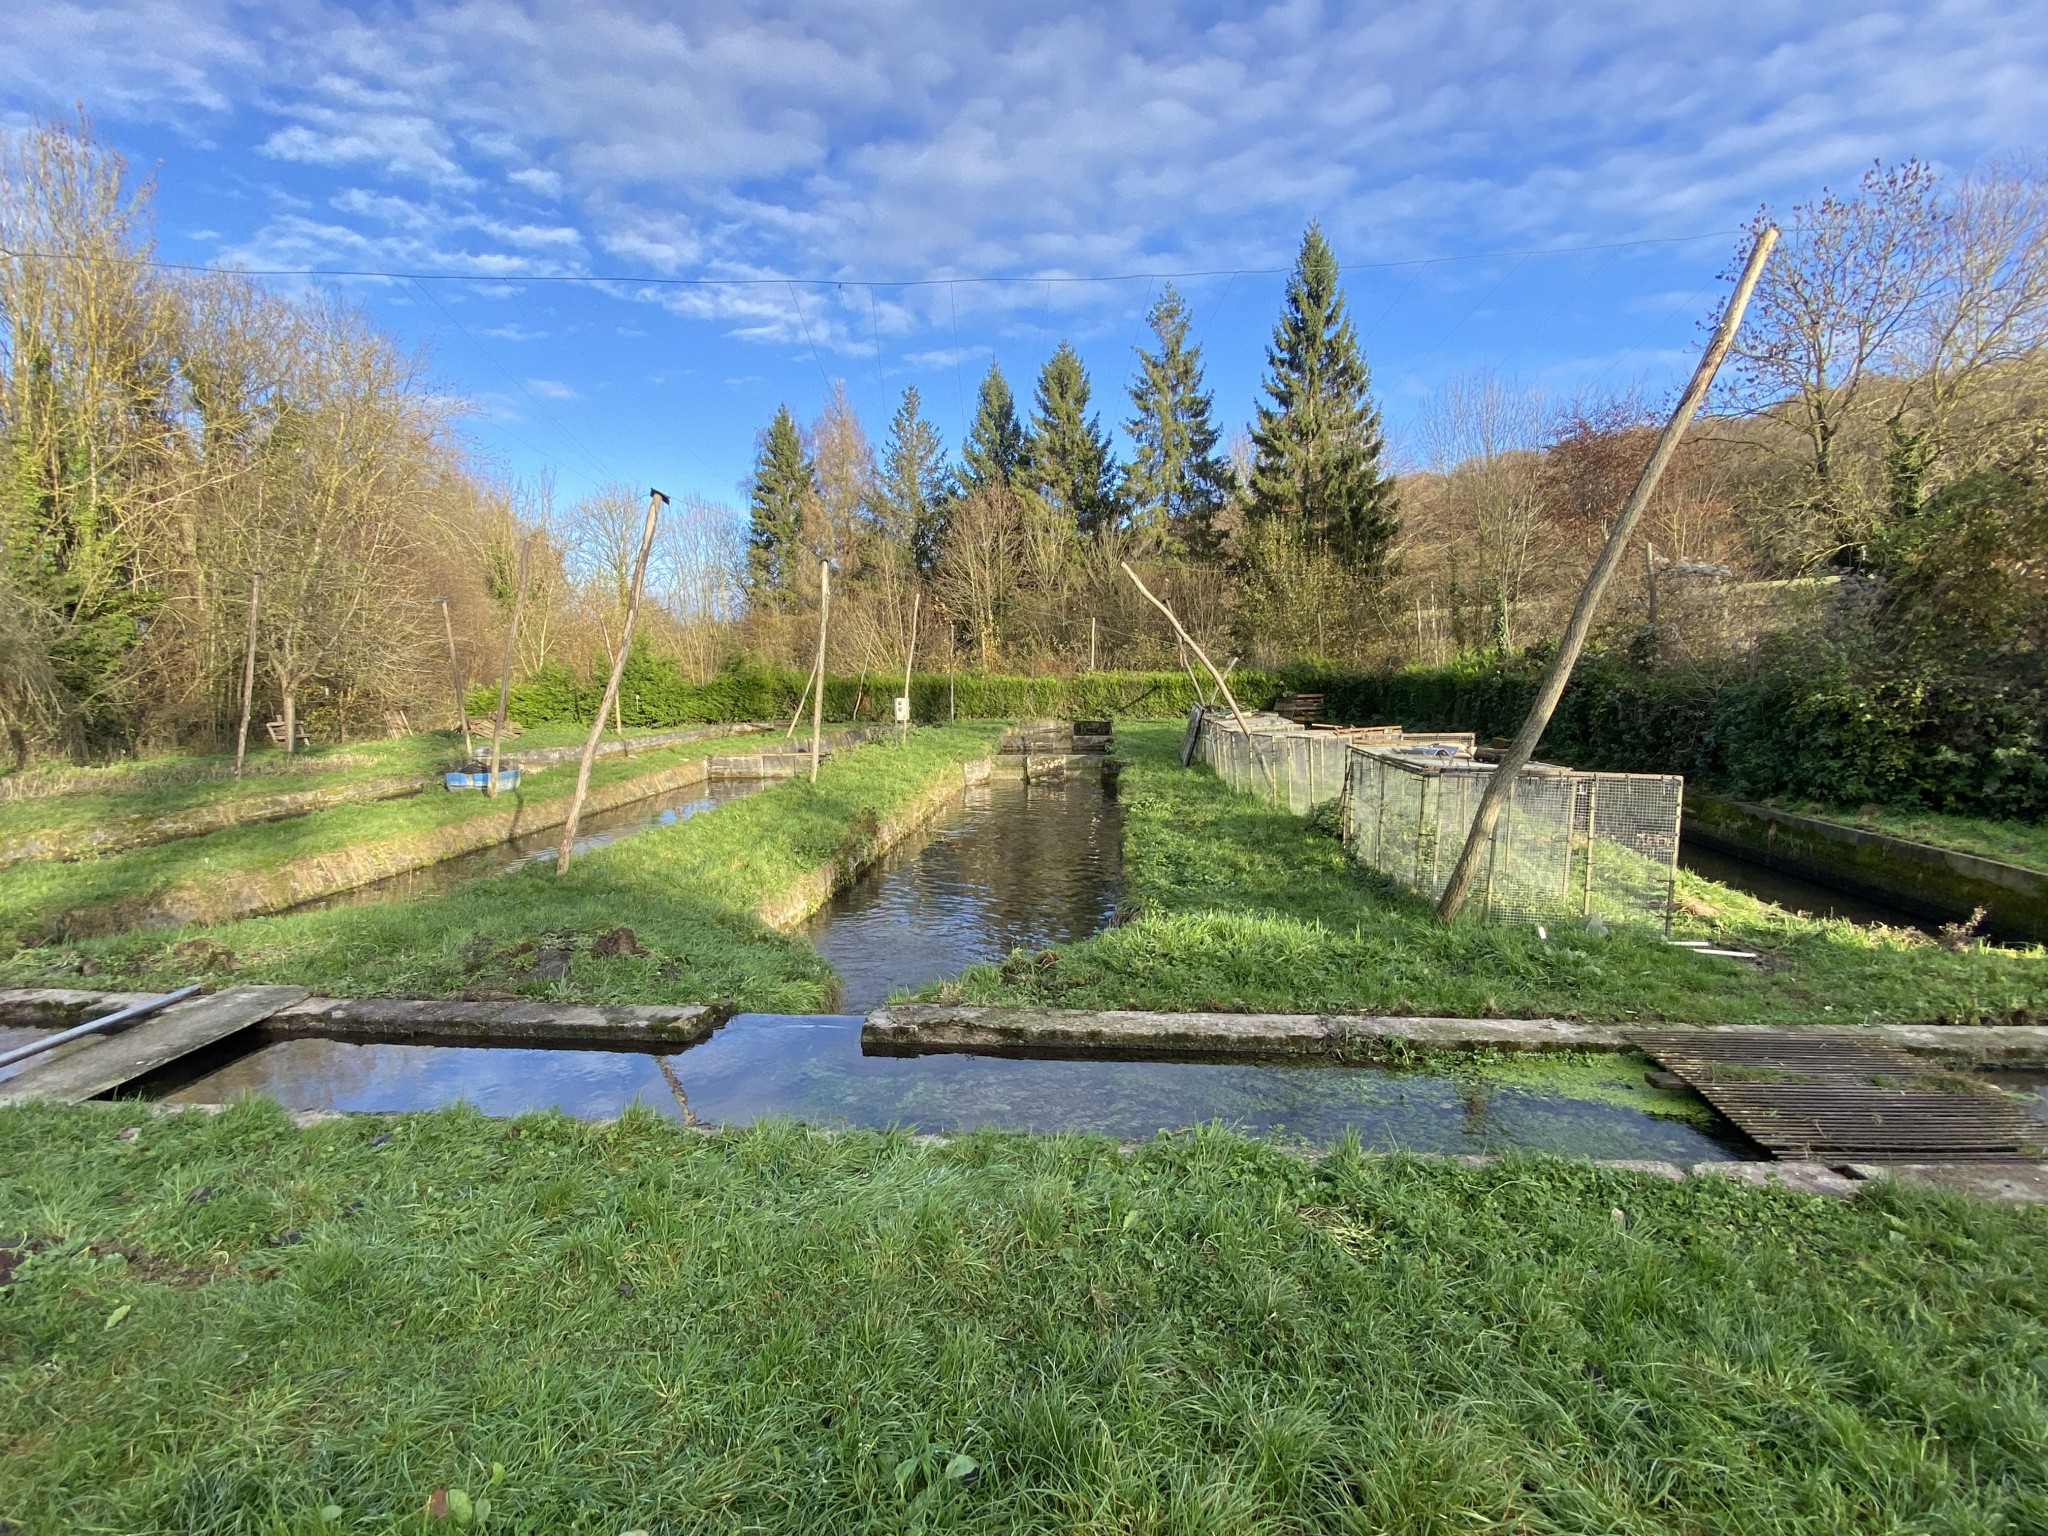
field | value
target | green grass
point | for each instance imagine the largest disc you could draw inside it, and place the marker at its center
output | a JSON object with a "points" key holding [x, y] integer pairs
{"points": [[227, 1325], [1234, 905], [35, 897], [60, 799], [687, 890], [2012, 842]]}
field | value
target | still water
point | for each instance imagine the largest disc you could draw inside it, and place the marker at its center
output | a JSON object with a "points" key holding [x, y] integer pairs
{"points": [[810, 1067], [1790, 891], [592, 831], [1010, 866]]}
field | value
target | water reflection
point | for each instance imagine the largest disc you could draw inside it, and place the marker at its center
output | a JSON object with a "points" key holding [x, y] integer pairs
{"points": [[811, 1068], [1794, 894], [1012, 866], [592, 831]]}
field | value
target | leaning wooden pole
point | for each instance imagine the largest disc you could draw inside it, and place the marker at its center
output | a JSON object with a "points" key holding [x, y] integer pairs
{"points": [[248, 673], [1517, 756], [655, 502], [818, 695], [505, 671], [909, 656], [801, 700], [1250, 741], [455, 676]]}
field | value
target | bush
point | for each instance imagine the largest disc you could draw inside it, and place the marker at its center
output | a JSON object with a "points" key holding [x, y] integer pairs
{"points": [[1811, 724], [654, 693]]}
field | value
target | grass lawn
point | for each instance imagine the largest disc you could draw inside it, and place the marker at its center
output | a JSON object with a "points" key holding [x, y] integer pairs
{"points": [[36, 897], [1234, 905], [687, 890], [224, 1324], [2011, 842]]}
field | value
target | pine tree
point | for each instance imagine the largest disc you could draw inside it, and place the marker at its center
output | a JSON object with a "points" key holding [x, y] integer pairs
{"points": [[1068, 462], [994, 450], [1177, 483], [778, 498], [915, 485], [1319, 444]]}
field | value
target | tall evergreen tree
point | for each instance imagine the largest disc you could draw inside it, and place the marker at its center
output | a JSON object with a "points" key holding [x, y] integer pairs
{"points": [[783, 487], [1068, 462], [1319, 444], [993, 454], [1177, 483], [915, 484]]}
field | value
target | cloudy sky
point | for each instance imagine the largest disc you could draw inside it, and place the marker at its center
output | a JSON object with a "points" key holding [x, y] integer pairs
{"points": [[893, 193]]}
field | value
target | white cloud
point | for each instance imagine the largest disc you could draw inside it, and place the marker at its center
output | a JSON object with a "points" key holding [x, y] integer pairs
{"points": [[552, 389], [811, 140]]}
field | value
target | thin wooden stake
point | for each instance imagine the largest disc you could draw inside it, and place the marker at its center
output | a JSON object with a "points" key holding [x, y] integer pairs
{"points": [[505, 672], [909, 656], [1091, 644], [1544, 705], [818, 697], [248, 674], [801, 700], [1250, 741], [455, 673], [655, 502]]}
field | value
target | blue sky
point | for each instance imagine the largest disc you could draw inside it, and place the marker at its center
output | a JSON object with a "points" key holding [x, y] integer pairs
{"points": [[782, 155]]}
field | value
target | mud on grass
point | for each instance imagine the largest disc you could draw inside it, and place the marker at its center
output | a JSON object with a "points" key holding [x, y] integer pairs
{"points": [[631, 1326], [1232, 905]]}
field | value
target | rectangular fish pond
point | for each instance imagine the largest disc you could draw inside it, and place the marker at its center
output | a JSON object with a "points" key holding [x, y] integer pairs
{"points": [[812, 1068]]}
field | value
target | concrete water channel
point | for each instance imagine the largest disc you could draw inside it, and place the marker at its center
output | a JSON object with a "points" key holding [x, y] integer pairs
{"points": [[1010, 867]]}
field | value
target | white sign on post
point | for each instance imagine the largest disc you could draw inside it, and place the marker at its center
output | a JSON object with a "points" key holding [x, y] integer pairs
{"points": [[902, 710]]}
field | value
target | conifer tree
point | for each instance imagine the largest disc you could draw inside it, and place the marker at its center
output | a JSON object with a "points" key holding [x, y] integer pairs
{"points": [[1319, 444], [783, 487], [1068, 462], [993, 454], [1177, 483], [915, 484]]}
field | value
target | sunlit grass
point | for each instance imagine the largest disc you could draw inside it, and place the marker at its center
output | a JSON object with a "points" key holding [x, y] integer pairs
{"points": [[1232, 904], [229, 1325]]}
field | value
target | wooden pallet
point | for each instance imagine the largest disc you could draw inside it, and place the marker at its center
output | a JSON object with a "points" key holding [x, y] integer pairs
{"points": [[1829, 1095]]}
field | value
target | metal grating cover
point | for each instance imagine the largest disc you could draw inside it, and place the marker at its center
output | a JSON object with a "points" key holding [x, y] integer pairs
{"points": [[1824, 1094]]}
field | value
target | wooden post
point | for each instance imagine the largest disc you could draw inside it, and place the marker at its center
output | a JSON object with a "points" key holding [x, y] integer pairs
{"points": [[1229, 698], [455, 673], [248, 674], [1091, 643], [505, 672], [1650, 574], [818, 696], [801, 700], [952, 664], [909, 656], [655, 502], [1552, 688]]}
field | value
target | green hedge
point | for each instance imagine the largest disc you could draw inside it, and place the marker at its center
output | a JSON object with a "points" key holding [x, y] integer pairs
{"points": [[1807, 726], [653, 692]]}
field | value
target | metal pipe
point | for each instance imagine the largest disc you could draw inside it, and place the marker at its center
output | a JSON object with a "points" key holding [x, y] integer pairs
{"points": [[126, 1015]]}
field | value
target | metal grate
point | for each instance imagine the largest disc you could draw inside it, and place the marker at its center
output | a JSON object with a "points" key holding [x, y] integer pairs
{"points": [[1826, 1094]]}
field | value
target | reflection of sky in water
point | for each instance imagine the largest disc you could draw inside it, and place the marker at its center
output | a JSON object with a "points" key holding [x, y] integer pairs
{"points": [[592, 831], [811, 1068], [1011, 866], [2033, 1085]]}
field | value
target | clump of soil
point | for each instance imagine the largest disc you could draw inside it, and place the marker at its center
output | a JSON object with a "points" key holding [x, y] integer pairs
{"points": [[617, 941], [204, 955]]}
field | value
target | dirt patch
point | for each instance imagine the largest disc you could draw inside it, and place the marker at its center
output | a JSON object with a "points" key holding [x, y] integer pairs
{"points": [[618, 941], [156, 1269]]}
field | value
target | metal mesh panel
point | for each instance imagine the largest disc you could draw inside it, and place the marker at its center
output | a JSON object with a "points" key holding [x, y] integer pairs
{"points": [[1566, 843]]}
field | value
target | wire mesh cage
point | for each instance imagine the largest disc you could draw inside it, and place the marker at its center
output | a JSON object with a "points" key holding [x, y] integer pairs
{"points": [[1566, 842]]}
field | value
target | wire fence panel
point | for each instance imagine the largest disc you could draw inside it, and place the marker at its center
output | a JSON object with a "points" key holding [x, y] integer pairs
{"points": [[1566, 843]]}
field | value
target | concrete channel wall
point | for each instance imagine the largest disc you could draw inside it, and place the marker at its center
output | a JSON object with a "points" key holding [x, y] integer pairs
{"points": [[1920, 878]]}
